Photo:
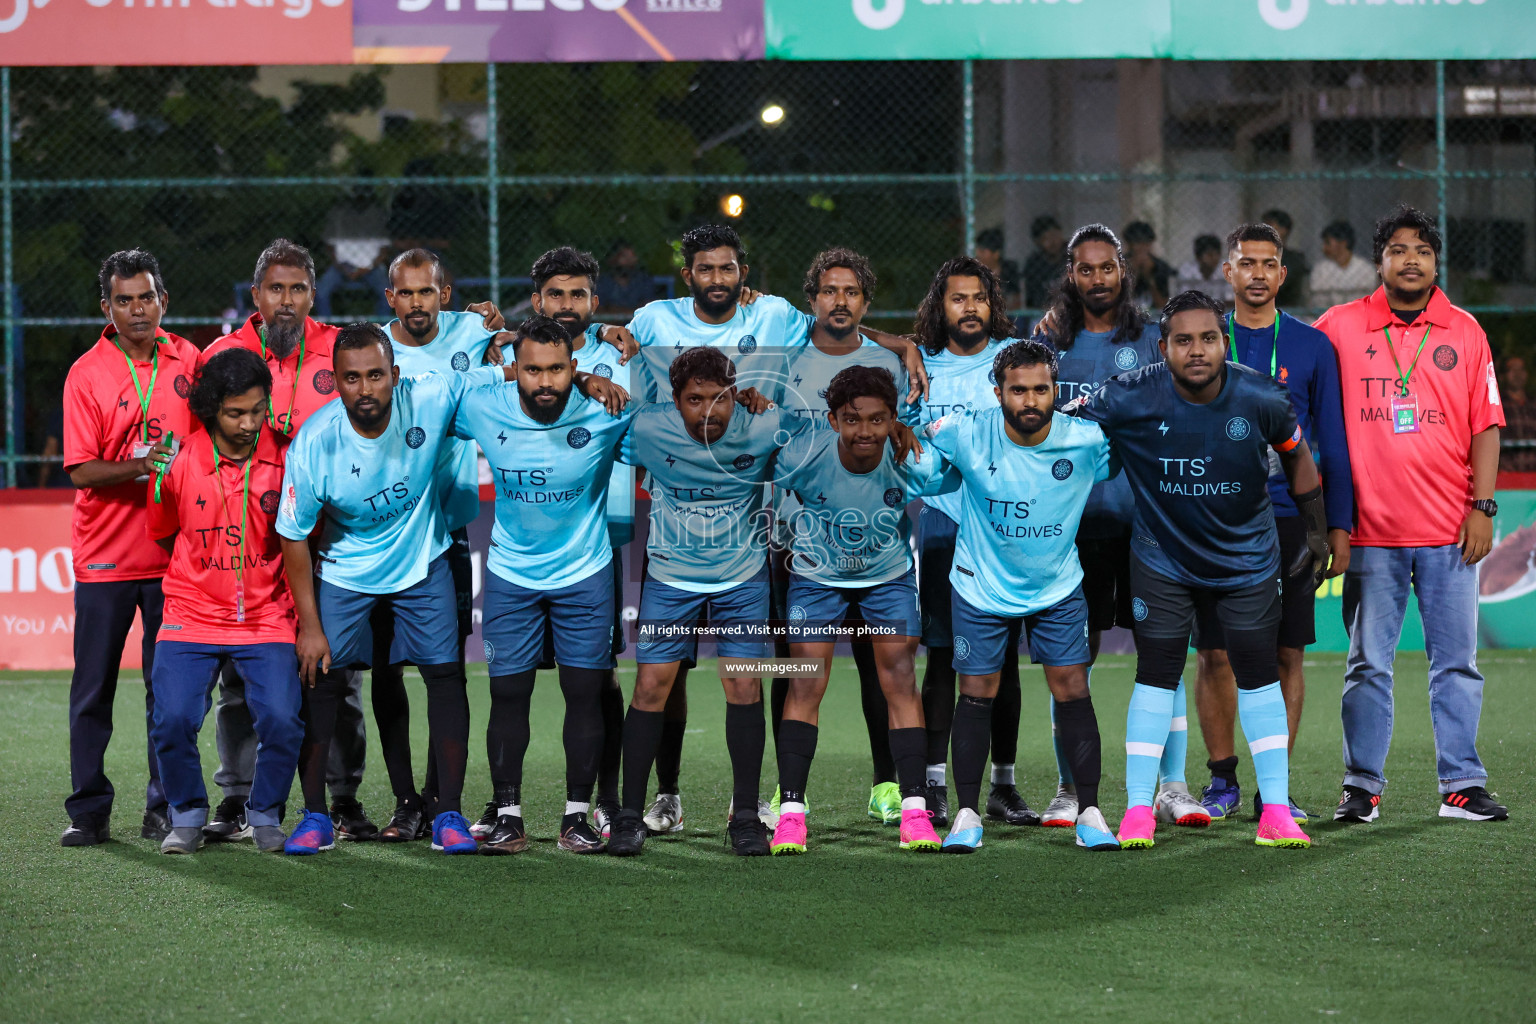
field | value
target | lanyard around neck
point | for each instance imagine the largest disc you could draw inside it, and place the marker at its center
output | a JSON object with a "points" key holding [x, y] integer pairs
{"points": [[145, 395], [1392, 348], [1274, 350], [245, 505], [285, 425]]}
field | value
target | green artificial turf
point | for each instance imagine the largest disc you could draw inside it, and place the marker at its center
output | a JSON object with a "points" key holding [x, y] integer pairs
{"points": [[1413, 918]]}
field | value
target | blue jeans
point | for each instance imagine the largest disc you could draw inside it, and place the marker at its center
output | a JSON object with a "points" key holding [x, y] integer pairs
{"points": [[183, 682], [1375, 600]]}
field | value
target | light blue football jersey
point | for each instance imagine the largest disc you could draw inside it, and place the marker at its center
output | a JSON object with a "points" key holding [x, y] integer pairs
{"points": [[601, 359], [1016, 553], [758, 339], [851, 529], [955, 384], [551, 483], [708, 525], [383, 512], [460, 345]]}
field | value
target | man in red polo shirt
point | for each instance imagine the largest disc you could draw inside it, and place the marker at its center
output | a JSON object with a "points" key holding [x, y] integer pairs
{"points": [[226, 599], [124, 400], [1422, 417]]}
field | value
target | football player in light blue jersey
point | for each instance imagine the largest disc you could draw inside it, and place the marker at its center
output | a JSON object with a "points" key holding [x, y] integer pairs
{"points": [[565, 285], [961, 325], [707, 556], [1098, 330], [838, 287], [364, 470], [852, 568], [757, 332], [551, 453], [1028, 471]]}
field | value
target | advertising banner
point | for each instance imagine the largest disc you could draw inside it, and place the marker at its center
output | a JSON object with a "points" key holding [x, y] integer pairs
{"points": [[924, 29], [1352, 29], [428, 31], [115, 32]]}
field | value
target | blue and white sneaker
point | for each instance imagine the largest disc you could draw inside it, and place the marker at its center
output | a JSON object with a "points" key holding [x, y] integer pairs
{"points": [[1093, 831], [450, 834], [315, 833], [1220, 799], [965, 833]]}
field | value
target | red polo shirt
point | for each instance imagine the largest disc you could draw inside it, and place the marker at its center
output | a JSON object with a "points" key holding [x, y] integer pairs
{"points": [[203, 514], [1412, 489], [104, 420], [297, 391]]}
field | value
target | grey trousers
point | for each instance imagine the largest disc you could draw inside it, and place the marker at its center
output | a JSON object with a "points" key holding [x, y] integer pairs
{"points": [[236, 738]]}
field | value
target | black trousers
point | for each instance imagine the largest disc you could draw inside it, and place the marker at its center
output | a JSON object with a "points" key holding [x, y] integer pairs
{"points": [[103, 615]]}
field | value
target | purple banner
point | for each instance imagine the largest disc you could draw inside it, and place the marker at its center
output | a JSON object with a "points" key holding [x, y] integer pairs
{"points": [[475, 31]]}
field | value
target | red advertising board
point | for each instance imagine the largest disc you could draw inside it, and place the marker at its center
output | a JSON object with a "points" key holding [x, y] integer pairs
{"points": [[40, 32], [37, 583]]}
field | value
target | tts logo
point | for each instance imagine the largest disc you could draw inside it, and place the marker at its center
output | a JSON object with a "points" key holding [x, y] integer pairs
{"points": [[1283, 14]]}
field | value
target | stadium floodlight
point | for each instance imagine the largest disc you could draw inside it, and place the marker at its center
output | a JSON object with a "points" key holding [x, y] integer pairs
{"points": [[772, 115], [732, 205]]}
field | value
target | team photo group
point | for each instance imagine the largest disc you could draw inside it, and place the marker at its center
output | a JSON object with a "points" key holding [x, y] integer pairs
{"points": [[287, 513]]}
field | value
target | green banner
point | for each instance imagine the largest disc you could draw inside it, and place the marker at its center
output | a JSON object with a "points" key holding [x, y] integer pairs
{"points": [[1352, 29], [1506, 603], [1185, 29], [924, 29]]}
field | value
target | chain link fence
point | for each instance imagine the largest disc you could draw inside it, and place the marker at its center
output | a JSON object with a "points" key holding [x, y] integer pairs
{"points": [[908, 162]]}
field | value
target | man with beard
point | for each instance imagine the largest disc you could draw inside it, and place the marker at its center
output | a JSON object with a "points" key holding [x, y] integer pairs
{"points": [[565, 288], [1424, 441], [226, 598], [1028, 471], [1097, 330], [550, 568], [759, 336], [839, 286], [1193, 433], [297, 351], [366, 473], [1299, 356], [124, 403], [962, 326]]}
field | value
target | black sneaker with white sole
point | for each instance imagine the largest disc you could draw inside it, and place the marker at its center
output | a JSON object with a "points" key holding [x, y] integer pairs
{"points": [[228, 824], [1473, 804], [351, 821], [487, 823], [1357, 806]]}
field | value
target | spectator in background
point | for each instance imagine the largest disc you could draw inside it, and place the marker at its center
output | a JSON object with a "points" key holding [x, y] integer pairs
{"points": [[357, 232], [989, 250], [1293, 293], [1204, 273], [1340, 276], [628, 286], [1044, 267], [1153, 275], [1519, 418], [48, 474]]}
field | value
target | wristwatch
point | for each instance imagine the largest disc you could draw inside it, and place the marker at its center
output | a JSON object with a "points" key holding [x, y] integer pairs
{"points": [[1487, 506]]}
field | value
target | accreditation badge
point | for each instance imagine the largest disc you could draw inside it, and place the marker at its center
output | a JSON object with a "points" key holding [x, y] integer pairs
{"points": [[1405, 415]]}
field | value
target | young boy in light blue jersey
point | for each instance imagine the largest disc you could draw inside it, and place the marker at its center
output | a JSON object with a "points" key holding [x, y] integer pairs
{"points": [[852, 568], [959, 325], [1028, 471], [707, 556], [551, 453], [839, 286]]}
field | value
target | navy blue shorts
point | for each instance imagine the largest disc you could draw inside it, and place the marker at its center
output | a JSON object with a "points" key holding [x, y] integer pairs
{"points": [[669, 620], [936, 534], [889, 608], [426, 621], [1058, 635], [579, 619]]}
